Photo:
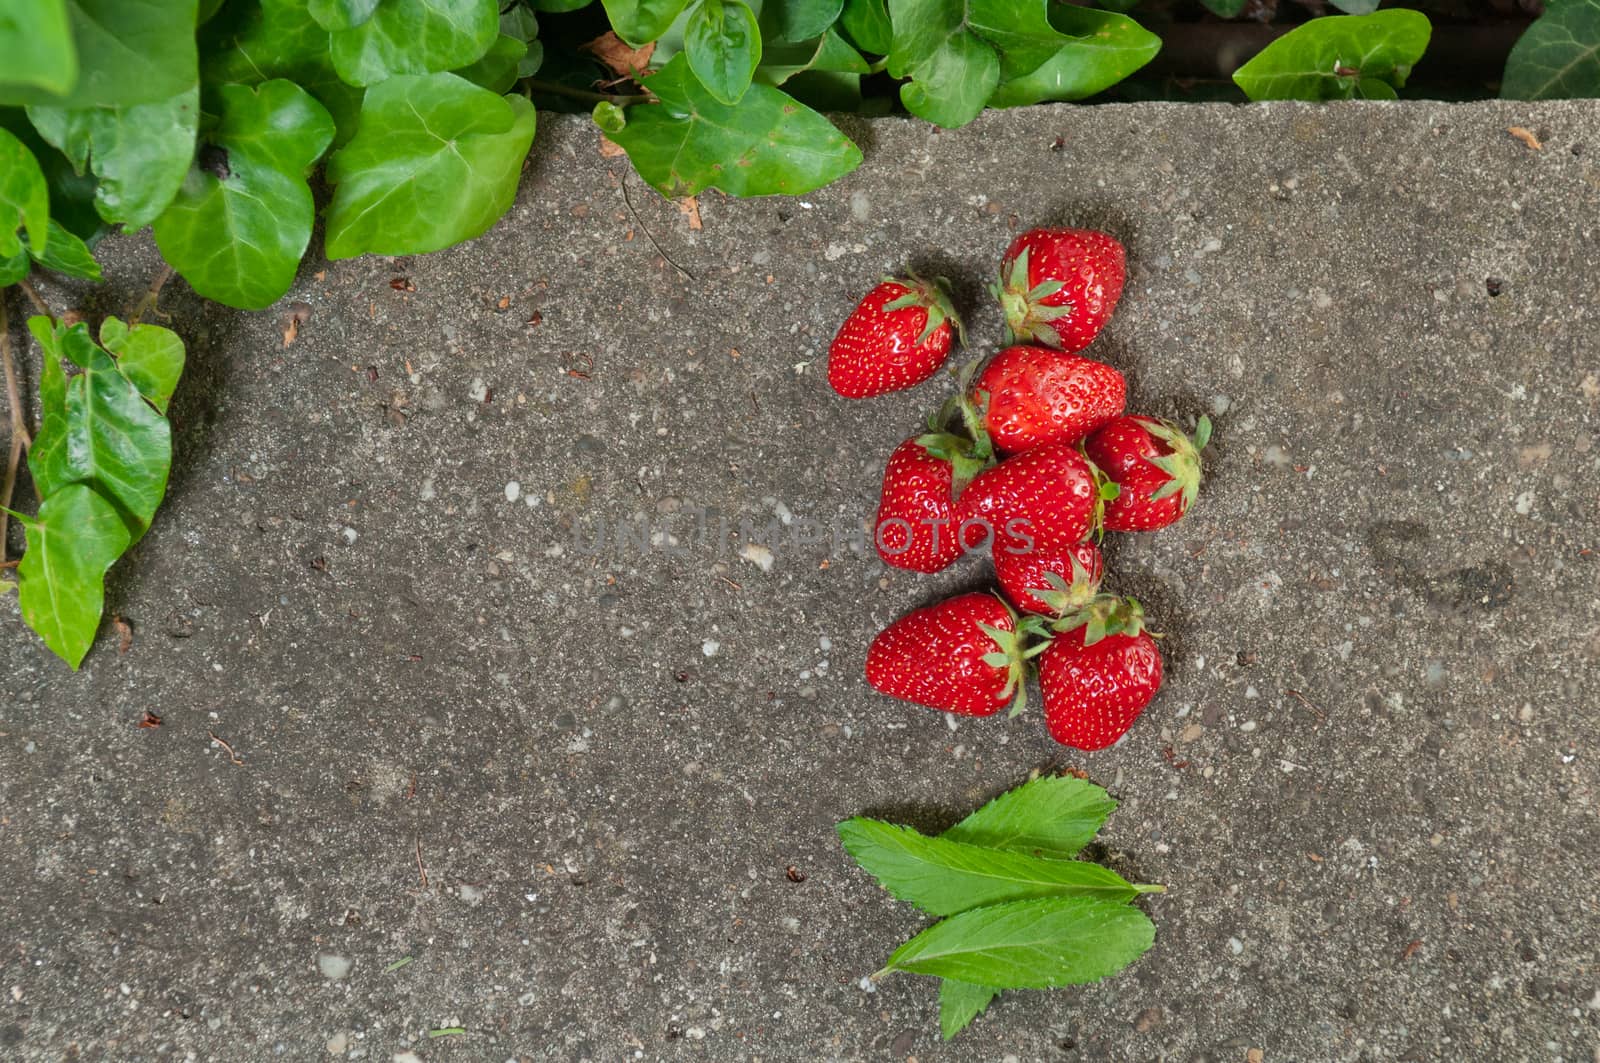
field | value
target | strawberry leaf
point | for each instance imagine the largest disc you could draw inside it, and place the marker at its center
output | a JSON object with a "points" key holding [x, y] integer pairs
{"points": [[1051, 816], [944, 877], [960, 1003], [1041, 943]]}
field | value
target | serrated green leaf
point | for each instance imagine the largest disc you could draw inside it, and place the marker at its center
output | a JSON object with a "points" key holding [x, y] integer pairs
{"points": [[799, 20], [436, 162], [36, 39], [415, 37], [280, 39], [1558, 57], [1051, 816], [1102, 48], [960, 1003], [75, 538], [151, 357], [638, 22], [140, 152], [334, 15], [1330, 58], [1042, 943], [242, 219], [67, 254], [97, 429], [867, 23], [944, 877], [769, 144], [24, 198], [129, 51], [723, 45], [498, 70]]}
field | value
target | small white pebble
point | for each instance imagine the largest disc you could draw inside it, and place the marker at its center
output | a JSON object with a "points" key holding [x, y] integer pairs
{"points": [[513, 491], [1235, 946], [710, 647], [350, 535], [867, 985]]}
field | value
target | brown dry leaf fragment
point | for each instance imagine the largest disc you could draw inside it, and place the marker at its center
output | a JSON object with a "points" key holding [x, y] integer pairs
{"points": [[149, 719], [620, 59], [610, 149], [402, 284], [124, 634], [503, 302], [690, 206], [290, 331], [1411, 950], [1527, 137]]}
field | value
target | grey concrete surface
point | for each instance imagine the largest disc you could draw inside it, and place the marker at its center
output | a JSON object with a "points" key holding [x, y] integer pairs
{"points": [[1370, 781]]}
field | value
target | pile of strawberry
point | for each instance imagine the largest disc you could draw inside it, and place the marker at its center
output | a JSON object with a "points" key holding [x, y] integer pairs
{"points": [[1033, 460]]}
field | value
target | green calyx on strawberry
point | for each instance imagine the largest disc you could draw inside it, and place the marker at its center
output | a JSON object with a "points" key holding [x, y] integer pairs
{"points": [[1068, 597], [1102, 615], [1183, 464], [1013, 654], [956, 434], [1027, 315], [932, 296]]}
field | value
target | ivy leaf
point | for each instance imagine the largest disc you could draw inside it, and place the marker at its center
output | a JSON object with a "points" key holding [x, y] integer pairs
{"points": [[867, 23], [280, 39], [242, 220], [1338, 57], [1102, 49], [829, 53], [36, 39], [24, 198], [75, 538], [1225, 8], [944, 877], [436, 162], [770, 143], [1356, 7], [951, 84], [638, 22], [1051, 816], [151, 357], [799, 20], [500, 66], [67, 254], [1558, 57], [140, 152], [415, 37], [129, 51], [97, 429], [723, 46], [14, 268], [1043, 943], [960, 1003], [340, 14]]}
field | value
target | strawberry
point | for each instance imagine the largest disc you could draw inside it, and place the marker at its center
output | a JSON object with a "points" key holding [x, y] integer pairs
{"points": [[1096, 679], [1051, 584], [1045, 500], [1155, 466], [964, 655], [897, 337], [1059, 286], [1039, 396], [923, 515]]}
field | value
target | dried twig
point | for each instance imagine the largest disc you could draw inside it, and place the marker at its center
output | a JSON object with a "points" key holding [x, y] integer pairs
{"points": [[234, 757], [1309, 704], [147, 304], [421, 868], [646, 230]]}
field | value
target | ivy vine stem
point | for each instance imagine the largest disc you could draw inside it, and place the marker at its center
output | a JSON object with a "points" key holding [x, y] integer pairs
{"points": [[20, 437], [555, 88]]}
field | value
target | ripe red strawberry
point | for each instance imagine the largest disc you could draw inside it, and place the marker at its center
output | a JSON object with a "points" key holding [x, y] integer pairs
{"points": [[897, 337], [964, 655], [1039, 396], [921, 510], [1097, 679], [1051, 584], [1059, 286], [1045, 500], [1155, 466]]}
